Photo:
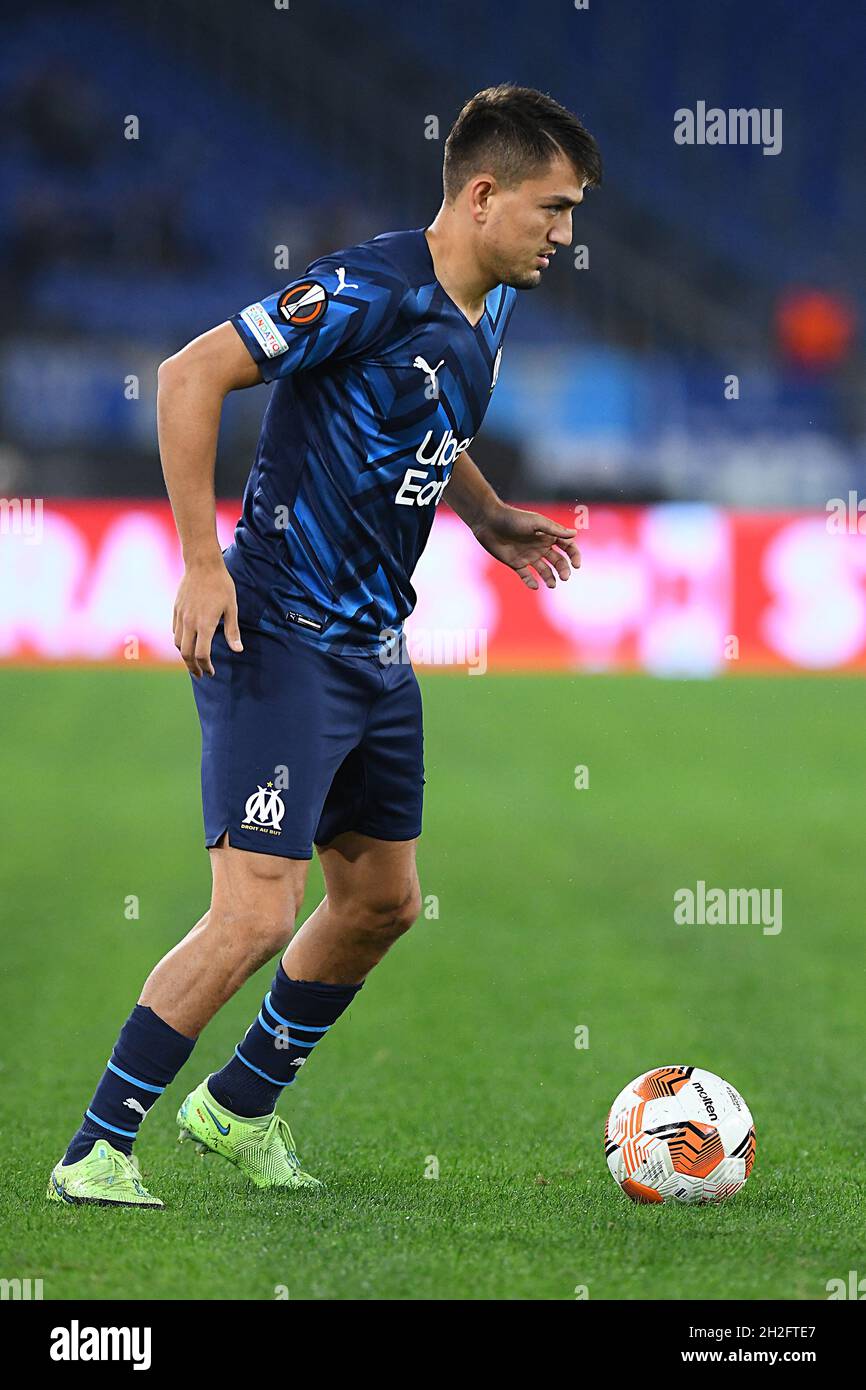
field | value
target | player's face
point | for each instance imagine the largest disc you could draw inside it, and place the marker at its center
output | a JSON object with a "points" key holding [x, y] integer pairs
{"points": [[527, 224]]}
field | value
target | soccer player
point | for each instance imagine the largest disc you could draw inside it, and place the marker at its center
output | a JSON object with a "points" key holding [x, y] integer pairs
{"points": [[383, 358]]}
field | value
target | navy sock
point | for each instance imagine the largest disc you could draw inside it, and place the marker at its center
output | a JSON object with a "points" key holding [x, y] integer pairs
{"points": [[147, 1056], [295, 1015]]}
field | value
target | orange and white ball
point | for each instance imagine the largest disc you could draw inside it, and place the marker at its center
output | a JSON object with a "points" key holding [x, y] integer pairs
{"points": [[679, 1134]]}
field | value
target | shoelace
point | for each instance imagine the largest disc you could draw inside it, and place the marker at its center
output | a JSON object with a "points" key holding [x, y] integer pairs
{"points": [[278, 1130], [116, 1165]]}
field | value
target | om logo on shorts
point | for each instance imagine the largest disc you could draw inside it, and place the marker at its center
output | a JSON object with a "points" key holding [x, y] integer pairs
{"points": [[264, 810]]}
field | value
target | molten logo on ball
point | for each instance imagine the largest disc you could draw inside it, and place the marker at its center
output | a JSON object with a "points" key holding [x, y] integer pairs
{"points": [[659, 1146]]}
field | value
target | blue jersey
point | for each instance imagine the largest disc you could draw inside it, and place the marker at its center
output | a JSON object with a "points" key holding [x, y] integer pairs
{"points": [[381, 382]]}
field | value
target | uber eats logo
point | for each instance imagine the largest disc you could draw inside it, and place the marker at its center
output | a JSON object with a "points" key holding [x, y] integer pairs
{"points": [[412, 492]]}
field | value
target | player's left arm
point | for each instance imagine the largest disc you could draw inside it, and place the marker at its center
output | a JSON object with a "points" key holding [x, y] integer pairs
{"points": [[525, 541]]}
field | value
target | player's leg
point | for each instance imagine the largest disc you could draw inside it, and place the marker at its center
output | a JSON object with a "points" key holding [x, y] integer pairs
{"points": [[372, 898], [262, 712], [256, 896], [254, 902], [366, 841], [313, 707], [254, 905]]}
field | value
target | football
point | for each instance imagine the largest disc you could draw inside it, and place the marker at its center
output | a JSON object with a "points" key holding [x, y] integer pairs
{"points": [[679, 1134]]}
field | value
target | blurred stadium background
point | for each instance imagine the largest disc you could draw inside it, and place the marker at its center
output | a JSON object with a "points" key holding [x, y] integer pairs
{"points": [[702, 263], [267, 136]]}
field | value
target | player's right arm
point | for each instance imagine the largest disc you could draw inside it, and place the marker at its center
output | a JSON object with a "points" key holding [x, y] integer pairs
{"points": [[338, 309], [192, 386]]}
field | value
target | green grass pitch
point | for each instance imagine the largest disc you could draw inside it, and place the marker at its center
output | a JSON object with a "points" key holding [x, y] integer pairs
{"points": [[555, 910]]}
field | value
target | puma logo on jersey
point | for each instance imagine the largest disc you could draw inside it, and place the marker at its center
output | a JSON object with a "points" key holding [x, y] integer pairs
{"points": [[341, 281], [430, 373]]}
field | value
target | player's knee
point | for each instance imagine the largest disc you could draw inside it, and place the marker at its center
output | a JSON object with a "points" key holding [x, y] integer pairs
{"points": [[391, 913], [252, 933], [257, 899], [268, 935], [256, 927]]}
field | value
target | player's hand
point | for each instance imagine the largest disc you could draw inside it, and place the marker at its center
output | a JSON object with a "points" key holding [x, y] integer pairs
{"points": [[206, 595], [527, 542]]}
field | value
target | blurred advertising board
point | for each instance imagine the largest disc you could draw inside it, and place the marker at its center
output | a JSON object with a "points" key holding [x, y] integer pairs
{"points": [[675, 590]]}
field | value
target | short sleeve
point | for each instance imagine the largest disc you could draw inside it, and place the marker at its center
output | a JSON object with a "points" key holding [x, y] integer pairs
{"points": [[335, 310]]}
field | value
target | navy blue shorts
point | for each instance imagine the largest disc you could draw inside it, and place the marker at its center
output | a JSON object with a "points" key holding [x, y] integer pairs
{"points": [[299, 745]]}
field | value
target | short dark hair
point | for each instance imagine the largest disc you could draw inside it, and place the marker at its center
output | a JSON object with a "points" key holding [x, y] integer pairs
{"points": [[511, 131]]}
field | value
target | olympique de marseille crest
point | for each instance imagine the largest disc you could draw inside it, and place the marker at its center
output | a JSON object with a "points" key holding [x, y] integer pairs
{"points": [[264, 808]]}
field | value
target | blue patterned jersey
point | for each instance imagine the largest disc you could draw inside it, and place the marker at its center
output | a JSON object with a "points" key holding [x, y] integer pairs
{"points": [[380, 383]]}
